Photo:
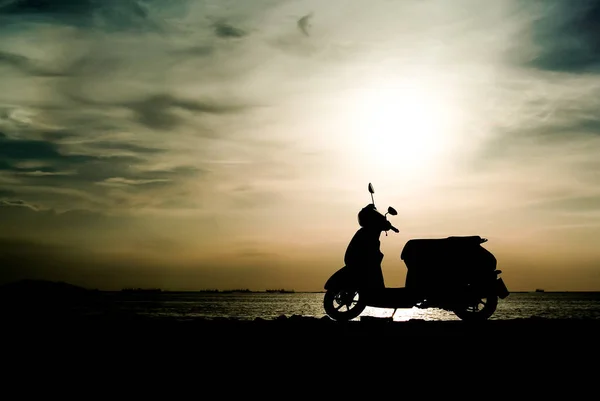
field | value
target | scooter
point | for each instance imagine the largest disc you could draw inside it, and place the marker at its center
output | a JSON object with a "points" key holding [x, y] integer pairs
{"points": [[456, 274]]}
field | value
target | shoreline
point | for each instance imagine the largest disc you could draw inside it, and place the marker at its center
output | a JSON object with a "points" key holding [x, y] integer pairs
{"points": [[296, 324]]}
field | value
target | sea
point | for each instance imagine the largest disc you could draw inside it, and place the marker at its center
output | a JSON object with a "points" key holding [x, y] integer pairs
{"points": [[269, 305]]}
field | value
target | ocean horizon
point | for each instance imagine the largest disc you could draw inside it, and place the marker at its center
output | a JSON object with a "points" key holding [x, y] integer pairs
{"points": [[250, 305]]}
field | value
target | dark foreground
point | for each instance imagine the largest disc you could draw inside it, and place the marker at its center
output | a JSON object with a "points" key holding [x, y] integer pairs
{"points": [[283, 354], [292, 354], [58, 340], [46, 324]]}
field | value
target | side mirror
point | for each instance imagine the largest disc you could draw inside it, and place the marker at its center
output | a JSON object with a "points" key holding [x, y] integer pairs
{"points": [[371, 190], [392, 211]]}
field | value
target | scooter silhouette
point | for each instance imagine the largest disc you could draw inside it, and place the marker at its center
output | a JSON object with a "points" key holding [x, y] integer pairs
{"points": [[456, 274]]}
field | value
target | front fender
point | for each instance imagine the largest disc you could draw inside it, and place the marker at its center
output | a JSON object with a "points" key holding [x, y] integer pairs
{"points": [[340, 278], [501, 289]]}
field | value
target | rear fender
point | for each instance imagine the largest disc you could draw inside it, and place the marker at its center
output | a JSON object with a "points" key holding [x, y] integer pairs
{"points": [[340, 278]]}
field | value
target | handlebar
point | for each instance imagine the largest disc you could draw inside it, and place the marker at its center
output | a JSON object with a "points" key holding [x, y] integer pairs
{"points": [[394, 229]]}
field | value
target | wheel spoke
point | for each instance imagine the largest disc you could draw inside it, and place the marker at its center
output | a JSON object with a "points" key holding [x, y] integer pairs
{"points": [[477, 309], [343, 304], [476, 306]]}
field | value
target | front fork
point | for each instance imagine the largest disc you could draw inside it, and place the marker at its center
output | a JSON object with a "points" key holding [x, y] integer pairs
{"points": [[501, 289]]}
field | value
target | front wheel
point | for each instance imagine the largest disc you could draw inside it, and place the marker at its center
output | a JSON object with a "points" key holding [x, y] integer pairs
{"points": [[478, 309], [343, 304]]}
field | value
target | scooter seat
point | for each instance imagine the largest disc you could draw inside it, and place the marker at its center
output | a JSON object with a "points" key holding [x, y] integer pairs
{"points": [[438, 245], [471, 238]]}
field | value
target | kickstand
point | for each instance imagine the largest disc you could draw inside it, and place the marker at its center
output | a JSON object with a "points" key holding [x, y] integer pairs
{"points": [[395, 309]]}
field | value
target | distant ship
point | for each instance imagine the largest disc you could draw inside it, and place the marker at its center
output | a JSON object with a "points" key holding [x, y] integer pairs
{"points": [[281, 291], [142, 290], [539, 290]]}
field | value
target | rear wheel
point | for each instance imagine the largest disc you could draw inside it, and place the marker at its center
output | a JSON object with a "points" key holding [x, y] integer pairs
{"points": [[478, 309], [343, 304]]}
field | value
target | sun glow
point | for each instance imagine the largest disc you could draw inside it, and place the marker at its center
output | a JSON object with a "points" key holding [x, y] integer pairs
{"points": [[401, 127]]}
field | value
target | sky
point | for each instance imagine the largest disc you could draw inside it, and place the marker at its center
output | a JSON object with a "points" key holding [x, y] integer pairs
{"points": [[194, 144]]}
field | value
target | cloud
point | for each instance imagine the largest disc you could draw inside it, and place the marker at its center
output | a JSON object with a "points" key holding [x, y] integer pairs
{"points": [[108, 14], [17, 203], [12, 149], [17, 152], [7, 193], [304, 23], [38, 173], [224, 30], [568, 36], [156, 112], [46, 171], [79, 228], [26, 65], [52, 7], [128, 147], [120, 181]]}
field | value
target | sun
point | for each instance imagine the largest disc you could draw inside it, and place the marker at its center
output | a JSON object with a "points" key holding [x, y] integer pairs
{"points": [[400, 127]]}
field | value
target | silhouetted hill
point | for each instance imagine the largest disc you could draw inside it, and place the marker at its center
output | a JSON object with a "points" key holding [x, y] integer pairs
{"points": [[43, 297], [35, 287]]}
